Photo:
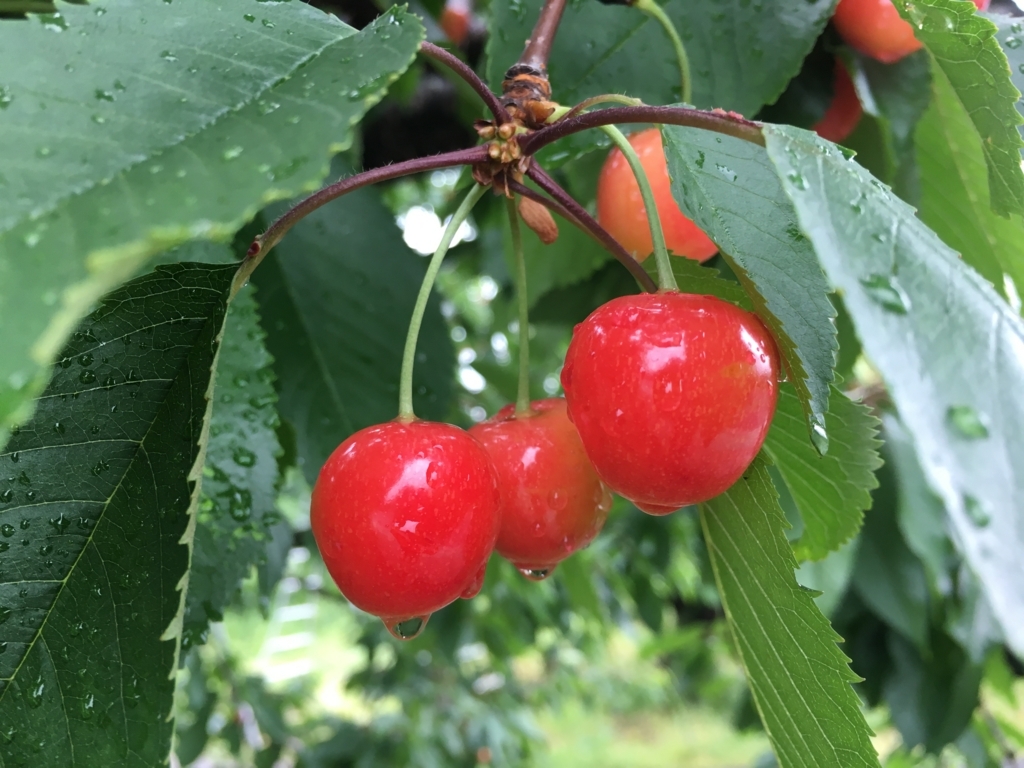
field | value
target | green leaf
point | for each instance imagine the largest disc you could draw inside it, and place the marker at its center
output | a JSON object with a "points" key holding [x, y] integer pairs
{"points": [[697, 278], [96, 523], [831, 491], [955, 195], [180, 141], [336, 296], [898, 93], [950, 350], [237, 513], [968, 57], [742, 55], [799, 678], [1010, 35], [730, 189]]}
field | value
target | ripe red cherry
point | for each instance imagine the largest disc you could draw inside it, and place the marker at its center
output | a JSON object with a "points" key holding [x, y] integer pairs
{"points": [[876, 29], [844, 112], [552, 501], [672, 394], [405, 515], [982, 5], [620, 209], [455, 20]]}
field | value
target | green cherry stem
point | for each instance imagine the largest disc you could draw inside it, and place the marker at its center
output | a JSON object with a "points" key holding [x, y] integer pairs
{"points": [[666, 280], [655, 11], [523, 392], [405, 412]]}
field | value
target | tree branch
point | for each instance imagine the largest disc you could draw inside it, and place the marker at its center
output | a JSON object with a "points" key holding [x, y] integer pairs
{"points": [[538, 47], [726, 123], [572, 211], [464, 71]]}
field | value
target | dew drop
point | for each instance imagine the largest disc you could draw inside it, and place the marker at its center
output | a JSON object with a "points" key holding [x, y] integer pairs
{"points": [[967, 421], [168, 56], [59, 427], [60, 523], [700, 159], [268, 23], [26, 524], [87, 377], [249, 17], [231, 153], [886, 291], [7, 496], [558, 499], [102, 95], [797, 180], [406, 629], [1013, 43], [819, 438], [240, 506], [976, 511], [728, 173], [5, 614], [536, 574], [243, 457], [7, 530], [87, 706], [5, 97]]}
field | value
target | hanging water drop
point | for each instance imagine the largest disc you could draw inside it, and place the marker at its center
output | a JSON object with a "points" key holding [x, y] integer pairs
{"points": [[536, 574], [819, 438], [406, 629]]}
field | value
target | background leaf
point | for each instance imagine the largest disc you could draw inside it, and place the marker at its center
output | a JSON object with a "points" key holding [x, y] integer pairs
{"points": [[336, 295], [799, 677], [93, 556], [1010, 34], [830, 491], [950, 350], [730, 189], [149, 170]]}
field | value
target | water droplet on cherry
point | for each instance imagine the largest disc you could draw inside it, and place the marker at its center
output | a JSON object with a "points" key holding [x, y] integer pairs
{"points": [[406, 629], [537, 574]]}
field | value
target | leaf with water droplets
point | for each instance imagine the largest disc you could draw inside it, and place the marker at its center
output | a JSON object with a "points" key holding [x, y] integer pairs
{"points": [[103, 524], [972, 68], [958, 345], [831, 491], [750, 218], [199, 169]]}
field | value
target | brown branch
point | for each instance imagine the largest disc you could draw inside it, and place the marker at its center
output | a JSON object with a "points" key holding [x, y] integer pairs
{"points": [[577, 214], [538, 47], [726, 123], [464, 71]]}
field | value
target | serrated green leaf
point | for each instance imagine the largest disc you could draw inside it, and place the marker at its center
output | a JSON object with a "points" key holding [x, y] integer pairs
{"points": [[237, 513], [800, 680], [1010, 35], [697, 278], [898, 93], [131, 131], [616, 49], [336, 296], [831, 491], [730, 189], [949, 348], [967, 55], [955, 191], [96, 522]]}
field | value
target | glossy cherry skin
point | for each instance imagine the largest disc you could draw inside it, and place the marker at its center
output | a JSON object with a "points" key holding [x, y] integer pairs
{"points": [[876, 29], [405, 515], [552, 501], [844, 112], [620, 209], [672, 395]]}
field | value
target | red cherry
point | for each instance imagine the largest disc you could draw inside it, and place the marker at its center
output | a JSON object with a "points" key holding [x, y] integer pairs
{"points": [[620, 209], [875, 28], [844, 112], [552, 501], [405, 515], [455, 20], [982, 5], [672, 394]]}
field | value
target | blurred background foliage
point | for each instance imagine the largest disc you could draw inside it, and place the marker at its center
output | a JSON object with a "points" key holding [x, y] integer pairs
{"points": [[622, 657]]}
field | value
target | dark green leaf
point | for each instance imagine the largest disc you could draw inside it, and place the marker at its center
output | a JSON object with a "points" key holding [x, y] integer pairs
{"points": [[574, 574], [181, 137], [829, 576], [97, 519], [799, 677], [899, 93], [951, 351], [1011, 37], [971, 61], [831, 491], [336, 295], [237, 514], [730, 189]]}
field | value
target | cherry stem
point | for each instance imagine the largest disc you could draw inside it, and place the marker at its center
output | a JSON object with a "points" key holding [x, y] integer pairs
{"points": [[587, 222], [666, 280], [300, 210], [593, 101], [538, 47], [464, 71], [656, 12], [405, 411], [523, 391], [719, 122]]}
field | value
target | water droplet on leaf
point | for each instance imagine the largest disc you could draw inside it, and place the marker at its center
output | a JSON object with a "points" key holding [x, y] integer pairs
{"points": [[976, 511], [967, 421], [886, 291]]}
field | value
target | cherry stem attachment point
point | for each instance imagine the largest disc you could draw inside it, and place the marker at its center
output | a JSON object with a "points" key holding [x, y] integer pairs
{"points": [[656, 12], [583, 219], [666, 279], [464, 71], [523, 391], [405, 411]]}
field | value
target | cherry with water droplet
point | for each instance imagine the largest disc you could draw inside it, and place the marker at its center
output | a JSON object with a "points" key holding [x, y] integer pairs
{"points": [[552, 501], [672, 395]]}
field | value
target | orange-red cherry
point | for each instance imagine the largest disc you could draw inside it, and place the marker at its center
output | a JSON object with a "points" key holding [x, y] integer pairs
{"points": [[620, 209], [455, 20], [672, 395], [552, 501], [876, 29], [844, 112], [405, 515]]}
